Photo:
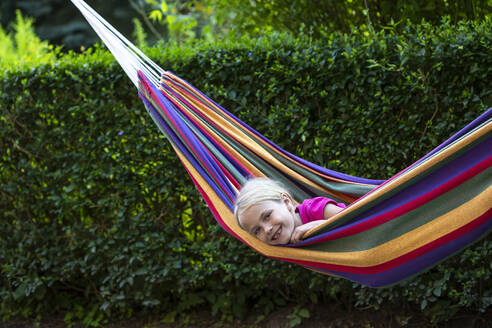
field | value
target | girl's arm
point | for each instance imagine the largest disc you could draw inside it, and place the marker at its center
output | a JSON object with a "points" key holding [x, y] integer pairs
{"points": [[329, 211]]}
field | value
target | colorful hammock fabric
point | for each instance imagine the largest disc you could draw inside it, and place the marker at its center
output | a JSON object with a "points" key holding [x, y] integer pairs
{"points": [[391, 230]]}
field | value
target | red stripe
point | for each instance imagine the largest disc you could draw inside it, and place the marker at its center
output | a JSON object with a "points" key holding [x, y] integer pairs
{"points": [[407, 207], [476, 223]]}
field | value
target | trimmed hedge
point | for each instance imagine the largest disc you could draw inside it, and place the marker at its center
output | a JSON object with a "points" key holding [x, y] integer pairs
{"points": [[101, 221]]}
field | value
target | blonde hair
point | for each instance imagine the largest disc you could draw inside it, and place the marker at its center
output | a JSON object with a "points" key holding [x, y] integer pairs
{"points": [[258, 190]]}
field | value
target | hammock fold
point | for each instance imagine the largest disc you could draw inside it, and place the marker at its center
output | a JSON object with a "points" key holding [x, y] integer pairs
{"points": [[392, 229]]}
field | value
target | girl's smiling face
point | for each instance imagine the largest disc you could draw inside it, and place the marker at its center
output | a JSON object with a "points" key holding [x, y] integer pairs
{"points": [[270, 221]]}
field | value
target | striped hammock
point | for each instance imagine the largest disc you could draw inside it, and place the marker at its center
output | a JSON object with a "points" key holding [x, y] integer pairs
{"points": [[391, 230]]}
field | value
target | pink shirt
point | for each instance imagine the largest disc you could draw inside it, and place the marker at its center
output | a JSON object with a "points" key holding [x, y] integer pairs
{"points": [[312, 209]]}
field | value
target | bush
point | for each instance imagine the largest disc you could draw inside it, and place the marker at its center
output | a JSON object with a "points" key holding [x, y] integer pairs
{"points": [[101, 221]]}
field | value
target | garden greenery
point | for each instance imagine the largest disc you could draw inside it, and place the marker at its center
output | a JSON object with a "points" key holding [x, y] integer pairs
{"points": [[185, 20], [22, 48], [100, 220]]}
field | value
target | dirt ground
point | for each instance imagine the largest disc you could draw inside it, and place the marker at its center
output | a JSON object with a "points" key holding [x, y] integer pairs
{"points": [[321, 316]]}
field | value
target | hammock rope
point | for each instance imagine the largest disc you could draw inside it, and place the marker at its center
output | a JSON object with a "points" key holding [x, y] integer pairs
{"points": [[392, 229]]}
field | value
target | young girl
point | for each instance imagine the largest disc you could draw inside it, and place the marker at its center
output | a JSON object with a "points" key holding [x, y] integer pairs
{"points": [[266, 210]]}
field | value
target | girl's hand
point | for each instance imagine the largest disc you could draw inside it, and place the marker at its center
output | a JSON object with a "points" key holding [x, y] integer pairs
{"points": [[302, 229]]}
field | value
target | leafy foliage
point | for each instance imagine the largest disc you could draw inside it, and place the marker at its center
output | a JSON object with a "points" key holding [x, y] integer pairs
{"points": [[326, 16], [99, 219], [185, 20], [220, 19], [22, 47]]}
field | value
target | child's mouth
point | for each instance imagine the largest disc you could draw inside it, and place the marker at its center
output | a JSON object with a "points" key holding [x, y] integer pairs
{"points": [[277, 234]]}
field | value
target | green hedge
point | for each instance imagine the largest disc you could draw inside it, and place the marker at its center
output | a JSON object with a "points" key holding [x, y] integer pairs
{"points": [[99, 219]]}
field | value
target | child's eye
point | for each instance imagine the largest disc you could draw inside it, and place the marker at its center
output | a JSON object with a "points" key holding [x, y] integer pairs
{"points": [[267, 216], [256, 231]]}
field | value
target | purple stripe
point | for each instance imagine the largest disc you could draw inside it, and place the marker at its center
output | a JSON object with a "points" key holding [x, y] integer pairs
{"points": [[185, 151], [193, 141], [313, 166], [432, 181], [418, 264]]}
